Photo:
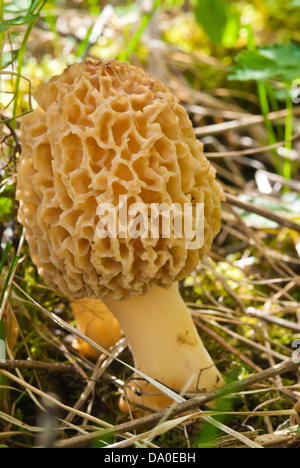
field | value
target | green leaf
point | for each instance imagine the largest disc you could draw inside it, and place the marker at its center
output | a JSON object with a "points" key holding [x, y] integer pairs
{"points": [[19, 20], [251, 65], [22, 6], [6, 59], [219, 20], [232, 30], [5, 207], [277, 61], [17, 6]]}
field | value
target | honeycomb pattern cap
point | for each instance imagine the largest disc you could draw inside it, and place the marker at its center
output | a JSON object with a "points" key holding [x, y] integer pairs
{"points": [[103, 130]]}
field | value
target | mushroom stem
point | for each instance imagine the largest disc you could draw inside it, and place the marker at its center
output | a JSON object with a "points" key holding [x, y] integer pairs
{"points": [[94, 320], [165, 345]]}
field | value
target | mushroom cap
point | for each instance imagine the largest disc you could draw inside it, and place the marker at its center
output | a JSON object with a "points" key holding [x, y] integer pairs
{"points": [[103, 130]]}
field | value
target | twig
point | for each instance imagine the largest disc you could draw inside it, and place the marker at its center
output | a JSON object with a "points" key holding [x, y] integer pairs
{"points": [[225, 114], [227, 345], [250, 151], [37, 365], [150, 421], [280, 439], [232, 200], [249, 343], [293, 183], [277, 320], [240, 123]]}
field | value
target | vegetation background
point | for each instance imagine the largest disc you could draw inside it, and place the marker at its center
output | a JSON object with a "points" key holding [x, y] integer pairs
{"points": [[235, 66]]}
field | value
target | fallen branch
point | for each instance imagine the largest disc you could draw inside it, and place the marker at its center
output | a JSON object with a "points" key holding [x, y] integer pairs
{"points": [[150, 421], [37, 365], [281, 439]]}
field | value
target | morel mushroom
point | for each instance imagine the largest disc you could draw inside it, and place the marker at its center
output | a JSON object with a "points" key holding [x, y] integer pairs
{"points": [[96, 321], [106, 130]]}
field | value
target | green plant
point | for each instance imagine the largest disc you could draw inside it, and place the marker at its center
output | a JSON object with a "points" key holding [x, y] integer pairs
{"points": [[9, 274], [273, 68], [219, 19], [19, 12], [4, 394], [135, 39]]}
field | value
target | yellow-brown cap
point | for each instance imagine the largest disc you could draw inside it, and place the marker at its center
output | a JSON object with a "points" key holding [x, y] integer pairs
{"points": [[106, 129]]}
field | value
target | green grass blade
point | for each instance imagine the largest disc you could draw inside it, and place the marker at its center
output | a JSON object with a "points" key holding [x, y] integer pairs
{"points": [[287, 164], [264, 103], [39, 4], [13, 265], [133, 43]]}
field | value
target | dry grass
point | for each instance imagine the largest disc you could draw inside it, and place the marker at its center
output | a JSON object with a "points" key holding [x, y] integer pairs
{"points": [[244, 299]]}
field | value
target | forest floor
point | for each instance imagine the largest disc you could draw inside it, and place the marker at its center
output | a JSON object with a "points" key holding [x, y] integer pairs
{"points": [[244, 297]]}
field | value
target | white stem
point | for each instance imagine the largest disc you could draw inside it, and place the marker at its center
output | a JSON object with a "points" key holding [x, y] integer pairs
{"points": [[164, 341]]}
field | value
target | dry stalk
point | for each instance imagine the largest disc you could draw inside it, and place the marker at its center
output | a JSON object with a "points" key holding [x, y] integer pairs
{"points": [[147, 422]]}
